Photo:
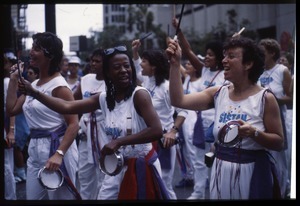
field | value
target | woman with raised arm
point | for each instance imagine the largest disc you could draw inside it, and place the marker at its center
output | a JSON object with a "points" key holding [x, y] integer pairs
{"points": [[52, 134], [211, 74], [153, 72], [140, 178], [247, 122]]}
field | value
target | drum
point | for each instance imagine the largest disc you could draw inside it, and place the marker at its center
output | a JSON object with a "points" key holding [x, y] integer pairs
{"points": [[228, 134], [111, 164], [51, 180]]}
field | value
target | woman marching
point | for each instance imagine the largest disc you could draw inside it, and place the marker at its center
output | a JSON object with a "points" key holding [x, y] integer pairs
{"points": [[246, 113], [52, 135]]}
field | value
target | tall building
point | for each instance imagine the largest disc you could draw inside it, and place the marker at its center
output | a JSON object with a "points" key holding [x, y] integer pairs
{"points": [[268, 20]]}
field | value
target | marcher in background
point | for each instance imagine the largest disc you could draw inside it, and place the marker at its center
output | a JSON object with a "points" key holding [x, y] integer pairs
{"points": [[140, 177], [73, 78], [243, 170], [287, 59], [90, 177], [277, 78], [33, 73], [211, 74], [52, 135], [87, 67], [9, 134], [153, 72], [64, 67], [186, 154]]}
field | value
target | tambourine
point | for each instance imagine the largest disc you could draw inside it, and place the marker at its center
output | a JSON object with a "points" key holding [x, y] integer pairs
{"points": [[228, 134], [111, 164], [51, 180]]}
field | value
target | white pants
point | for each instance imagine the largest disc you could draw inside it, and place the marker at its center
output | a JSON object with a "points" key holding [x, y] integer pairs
{"points": [[168, 174], [201, 172], [9, 178], [189, 149], [38, 151], [90, 176]]}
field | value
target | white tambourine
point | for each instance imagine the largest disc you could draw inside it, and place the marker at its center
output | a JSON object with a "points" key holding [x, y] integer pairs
{"points": [[111, 164], [51, 180], [228, 134]]}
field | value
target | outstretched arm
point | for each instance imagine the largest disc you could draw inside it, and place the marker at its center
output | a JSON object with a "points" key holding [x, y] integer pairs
{"points": [[194, 101], [59, 105]]}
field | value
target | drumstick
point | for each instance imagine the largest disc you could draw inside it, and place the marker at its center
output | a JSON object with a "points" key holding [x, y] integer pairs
{"points": [[17, 55], [144, 37], [236, 34], [174, 10], [178, 25]]}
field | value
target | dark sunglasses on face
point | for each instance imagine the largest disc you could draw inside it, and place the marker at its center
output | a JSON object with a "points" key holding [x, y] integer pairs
{"points": [[109, 51]]}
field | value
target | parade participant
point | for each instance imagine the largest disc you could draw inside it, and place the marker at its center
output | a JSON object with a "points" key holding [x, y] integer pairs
{"points": [[153, 73], [52, 134], [277, 78], [211, 74], [89, 176], [9, 134], [243, 170]]}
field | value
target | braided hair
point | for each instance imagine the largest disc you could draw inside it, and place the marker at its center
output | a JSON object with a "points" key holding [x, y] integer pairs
{"points": [[110, 88]]}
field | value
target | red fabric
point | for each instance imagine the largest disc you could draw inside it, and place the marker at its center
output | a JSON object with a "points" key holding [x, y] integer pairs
{"points": [[129, 185], [128, 189]]}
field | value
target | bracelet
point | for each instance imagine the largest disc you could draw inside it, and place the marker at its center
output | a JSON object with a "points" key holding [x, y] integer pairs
{"points": [[176, 128], [12, 127]]}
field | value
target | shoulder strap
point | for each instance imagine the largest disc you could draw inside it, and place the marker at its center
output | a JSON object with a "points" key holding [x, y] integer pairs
{"points": [[213, 79]]}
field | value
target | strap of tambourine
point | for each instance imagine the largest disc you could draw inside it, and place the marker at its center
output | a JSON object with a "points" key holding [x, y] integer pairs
{"points": [[94, 138]]}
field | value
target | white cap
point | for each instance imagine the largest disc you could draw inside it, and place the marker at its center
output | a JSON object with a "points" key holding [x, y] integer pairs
{"points": [[74, 60]]}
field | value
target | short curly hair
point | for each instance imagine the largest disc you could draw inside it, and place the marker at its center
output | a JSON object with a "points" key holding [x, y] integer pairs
{"points": [[251, 53], [271, 45]]}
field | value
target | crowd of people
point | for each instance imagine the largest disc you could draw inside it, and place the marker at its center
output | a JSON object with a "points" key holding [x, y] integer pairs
{"points": [[150, 110]]}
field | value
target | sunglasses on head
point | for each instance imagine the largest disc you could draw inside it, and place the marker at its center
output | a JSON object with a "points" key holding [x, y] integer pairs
{"points": [[112, 50]]}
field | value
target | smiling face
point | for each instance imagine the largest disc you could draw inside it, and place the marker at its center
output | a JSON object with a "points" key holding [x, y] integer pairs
{"points": [[120, 71], [232, 63], [210, 60], [37, 57]]}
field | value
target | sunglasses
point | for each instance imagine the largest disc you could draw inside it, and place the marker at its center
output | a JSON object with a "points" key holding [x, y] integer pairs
{"points": [[112, 50]]}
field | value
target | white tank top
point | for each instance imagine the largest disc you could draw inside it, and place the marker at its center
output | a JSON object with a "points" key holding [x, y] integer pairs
{"points": [[89, 86], [39, 116], [272, 79], [249, 110], [116, 125]]}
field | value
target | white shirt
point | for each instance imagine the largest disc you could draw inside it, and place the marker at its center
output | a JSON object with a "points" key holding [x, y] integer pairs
{"points": [[38, 115], [116, 125]]}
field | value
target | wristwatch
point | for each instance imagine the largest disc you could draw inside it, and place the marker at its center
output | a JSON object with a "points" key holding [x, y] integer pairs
{"points": [[60, 152]]}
